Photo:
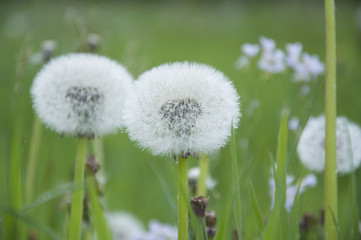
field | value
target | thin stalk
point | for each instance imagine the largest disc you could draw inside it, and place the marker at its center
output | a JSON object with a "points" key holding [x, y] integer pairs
{"points": [[204, 166], [15, 183], [76, 213], [182, 200], [235, 177], [331, 211], [99, 222], [33, 152]]}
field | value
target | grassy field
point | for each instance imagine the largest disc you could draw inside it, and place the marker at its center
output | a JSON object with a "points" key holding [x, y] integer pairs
{"points": [[142, 36]]}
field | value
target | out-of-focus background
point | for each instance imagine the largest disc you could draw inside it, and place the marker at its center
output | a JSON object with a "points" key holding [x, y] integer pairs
{"points": [[144, 34]]}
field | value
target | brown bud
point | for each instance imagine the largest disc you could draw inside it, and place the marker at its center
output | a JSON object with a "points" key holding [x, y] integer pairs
{"points": [[211, 219], [199, 205], [92, 164], [211, 233], [308, 221]]}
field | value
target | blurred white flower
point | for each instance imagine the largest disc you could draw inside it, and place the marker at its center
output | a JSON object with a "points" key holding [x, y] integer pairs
{"points": [[267, 44], [313, 64], [242, 62], [294, 51], [301, 73], [159, 231], [305, 89], [311, 146], [182, 108], [124, 226], [291, 188], [81, 94], [193, 176], [272, 62], [293, 124], [250, 50]]}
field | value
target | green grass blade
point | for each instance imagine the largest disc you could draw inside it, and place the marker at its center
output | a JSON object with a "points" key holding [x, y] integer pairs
{"points": [[335, 222], [32, 222], [223, 224], [295, 216], [165, 187], [236, 186], [256, 207], [98, 220], [278, 216]]}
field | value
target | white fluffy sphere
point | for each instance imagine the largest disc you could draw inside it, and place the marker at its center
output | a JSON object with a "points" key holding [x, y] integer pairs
{"points": [[81, 94], [311, 146], [182, 108]]}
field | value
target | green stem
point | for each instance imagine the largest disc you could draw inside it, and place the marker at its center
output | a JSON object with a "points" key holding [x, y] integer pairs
{"points": [[182, 199], [99, 154], [236, 190], [33, 152], [330, 109], [97, 216], [204, 166], [12, 224], [76, 214]]}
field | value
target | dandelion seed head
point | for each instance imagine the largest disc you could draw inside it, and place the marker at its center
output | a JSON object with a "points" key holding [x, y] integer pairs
{"points": [[182, 107], [311, 146], [81, 94]]}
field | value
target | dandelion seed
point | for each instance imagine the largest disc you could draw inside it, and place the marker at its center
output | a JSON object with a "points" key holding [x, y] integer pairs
{"points": [[311, 146], [250, 50], [81, 94], [182, 108]]}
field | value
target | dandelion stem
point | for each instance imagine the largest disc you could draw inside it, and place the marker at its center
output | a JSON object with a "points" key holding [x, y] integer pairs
{"points": [[182, 199], [76, 213], [330, 109], [204, 166]]}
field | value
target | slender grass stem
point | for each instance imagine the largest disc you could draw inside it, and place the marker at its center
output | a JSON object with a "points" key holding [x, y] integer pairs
{"points": [[235, 177], [182, 200], [97, 215], [33, 152], [204, 166], [15, 183], [78, 192], [330, 110]]}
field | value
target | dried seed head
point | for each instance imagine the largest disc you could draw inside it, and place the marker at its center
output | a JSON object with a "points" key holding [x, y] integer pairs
{"points": [[199, 205], [311, 146], [81, 94], [211, 219], [182, 109], [92, 164], [180, 115]]}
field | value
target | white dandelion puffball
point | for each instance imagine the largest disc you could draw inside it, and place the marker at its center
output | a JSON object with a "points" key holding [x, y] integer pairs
{"points": [[182, 108], [81, 94], [311, 146]]}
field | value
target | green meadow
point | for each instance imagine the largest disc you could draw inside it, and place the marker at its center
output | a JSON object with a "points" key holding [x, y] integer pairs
{"points": [[141, 36]]}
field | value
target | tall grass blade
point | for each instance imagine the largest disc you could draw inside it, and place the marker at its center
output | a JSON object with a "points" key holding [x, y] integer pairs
{"points": [[256, 207], [236, 189], [278, 219]]}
